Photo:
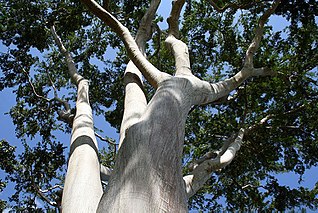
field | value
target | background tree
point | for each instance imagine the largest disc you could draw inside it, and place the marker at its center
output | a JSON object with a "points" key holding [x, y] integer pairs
{"points": [[276, 115]]}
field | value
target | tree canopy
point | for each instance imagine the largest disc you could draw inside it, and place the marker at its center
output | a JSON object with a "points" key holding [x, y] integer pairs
{"points": [[279, 113]]}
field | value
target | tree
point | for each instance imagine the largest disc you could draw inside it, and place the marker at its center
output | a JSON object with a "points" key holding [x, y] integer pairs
{"points": [[167, 147]]}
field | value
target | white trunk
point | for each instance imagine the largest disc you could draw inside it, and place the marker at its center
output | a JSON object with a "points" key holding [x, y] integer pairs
{"points": [[83, 189], [148, 172]]}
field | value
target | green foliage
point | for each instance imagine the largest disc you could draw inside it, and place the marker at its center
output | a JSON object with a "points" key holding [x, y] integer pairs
{"points": [[287, 143]]}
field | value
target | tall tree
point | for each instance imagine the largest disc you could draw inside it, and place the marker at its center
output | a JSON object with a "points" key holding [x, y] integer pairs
{"points": [[186, 109]]}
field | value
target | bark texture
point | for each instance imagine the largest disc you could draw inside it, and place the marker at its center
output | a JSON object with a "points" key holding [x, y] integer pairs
{"points": [[147, 176]]}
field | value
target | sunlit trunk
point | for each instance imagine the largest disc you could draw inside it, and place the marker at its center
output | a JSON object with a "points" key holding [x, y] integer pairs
{"points": [[148, 172]]}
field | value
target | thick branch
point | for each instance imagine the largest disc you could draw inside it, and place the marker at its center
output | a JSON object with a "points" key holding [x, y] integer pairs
{"points": [[135, 99], [144, 32], [202, 172], [179, 48], [75, 77], [173, 19], [151, 73], [82, 189]]}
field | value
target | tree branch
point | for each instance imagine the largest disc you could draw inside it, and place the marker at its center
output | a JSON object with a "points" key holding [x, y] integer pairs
{"points": [[151, 73], [75, 77], [105, 139], [202, 172], [135, 99], [218, 90], [33, 88], [43, 196], [179, 48], [248, 63], [271, 116], [65, 114], [51, 188]]}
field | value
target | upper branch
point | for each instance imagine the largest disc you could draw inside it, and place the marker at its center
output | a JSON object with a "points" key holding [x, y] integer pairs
{"points": [[144, 32], [151, 73], [135, 99], [75, 77], [223, 88], [179, 48], [258, 35], [272, 116], [173, 19]]}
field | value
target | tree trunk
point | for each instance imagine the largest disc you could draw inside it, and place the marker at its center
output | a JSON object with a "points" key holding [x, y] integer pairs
{"points": [[148, 172], [82, 188]]}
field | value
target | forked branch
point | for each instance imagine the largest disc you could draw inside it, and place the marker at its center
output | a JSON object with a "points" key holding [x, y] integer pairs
{"points": [[150, 72], [202, 171]]}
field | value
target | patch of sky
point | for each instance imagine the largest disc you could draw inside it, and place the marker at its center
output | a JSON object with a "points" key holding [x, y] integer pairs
{"points": [[164, 11], [279, 24]]}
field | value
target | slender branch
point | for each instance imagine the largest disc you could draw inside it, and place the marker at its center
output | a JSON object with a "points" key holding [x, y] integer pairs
{"points": [[75, 77], [44, 197], [150, 72], [271, 116], [51, 188], [66, 114], [105, 139], [202, 172], [33, 88], [252, 186]]}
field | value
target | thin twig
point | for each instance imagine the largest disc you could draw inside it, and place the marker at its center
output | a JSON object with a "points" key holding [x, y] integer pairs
{"points": [[51, 188], [105, 139], [33, 88], [271, 116]]}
